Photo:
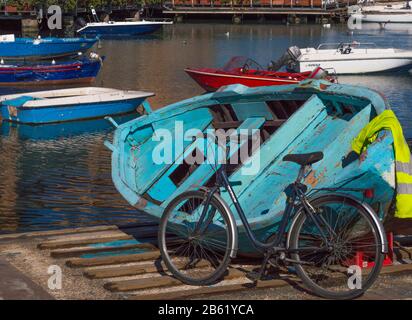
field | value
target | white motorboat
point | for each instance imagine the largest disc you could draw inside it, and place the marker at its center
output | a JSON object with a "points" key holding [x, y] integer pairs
{"points": [[346, 58], [389, 13]]}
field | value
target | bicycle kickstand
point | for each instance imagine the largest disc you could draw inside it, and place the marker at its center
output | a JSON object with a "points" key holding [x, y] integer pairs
{"points": [[262, 269]]}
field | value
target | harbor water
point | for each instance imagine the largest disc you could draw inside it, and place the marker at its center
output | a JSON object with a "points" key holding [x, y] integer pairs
{"points": [[59, 176]]}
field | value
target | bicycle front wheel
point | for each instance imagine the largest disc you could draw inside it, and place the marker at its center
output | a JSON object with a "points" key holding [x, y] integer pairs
{"points": [[340, 250], [196, 238]]}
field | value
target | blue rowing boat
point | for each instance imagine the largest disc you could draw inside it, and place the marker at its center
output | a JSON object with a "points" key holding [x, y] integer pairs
{"points": [[28, 48], [150, 154], [70, 104], [82, 70]]}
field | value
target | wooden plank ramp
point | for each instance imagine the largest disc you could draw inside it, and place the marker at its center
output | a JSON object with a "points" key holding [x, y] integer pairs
{"points": [[158, 282], [131, 268], [204, 291]]}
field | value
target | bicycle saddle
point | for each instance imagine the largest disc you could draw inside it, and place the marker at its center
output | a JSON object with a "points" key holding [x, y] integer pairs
{"points": [[304, 159]]}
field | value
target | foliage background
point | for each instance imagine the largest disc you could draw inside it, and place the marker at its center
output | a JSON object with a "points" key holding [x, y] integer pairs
{"points": [[69, 5]]}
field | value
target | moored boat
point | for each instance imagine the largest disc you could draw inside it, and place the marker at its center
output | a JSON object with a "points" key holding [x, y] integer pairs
{"points": [[388, 13], [28, 48], [69, 104], [82, 70], [122, 28], [245, 71], [312, 116], [348, 58]]}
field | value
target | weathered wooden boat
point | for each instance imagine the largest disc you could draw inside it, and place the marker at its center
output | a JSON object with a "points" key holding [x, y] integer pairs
{"points": [[310, 116], [82, 70], [242, 70], [27, 48], [69, 104]]}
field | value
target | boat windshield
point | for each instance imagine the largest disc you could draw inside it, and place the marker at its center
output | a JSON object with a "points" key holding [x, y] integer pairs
{"points": [[338, 46], [242, 63]]}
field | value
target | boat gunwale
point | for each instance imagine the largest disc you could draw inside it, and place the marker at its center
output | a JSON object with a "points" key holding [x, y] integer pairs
{"points": [[305, 87], [271, 77]]}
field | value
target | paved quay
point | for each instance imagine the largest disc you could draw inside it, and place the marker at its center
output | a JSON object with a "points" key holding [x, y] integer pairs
{"points": [[15, 285]]}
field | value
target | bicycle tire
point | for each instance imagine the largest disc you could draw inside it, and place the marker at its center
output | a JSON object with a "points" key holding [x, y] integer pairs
{"points": [[292, 244], [162, 238]]}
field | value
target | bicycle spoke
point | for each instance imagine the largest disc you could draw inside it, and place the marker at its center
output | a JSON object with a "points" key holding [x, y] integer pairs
{"points": [[192, 240], [354, 237]]}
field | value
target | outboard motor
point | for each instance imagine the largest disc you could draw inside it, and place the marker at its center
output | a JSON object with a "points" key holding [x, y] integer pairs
{"points": [[294, 52], [288, 60]]}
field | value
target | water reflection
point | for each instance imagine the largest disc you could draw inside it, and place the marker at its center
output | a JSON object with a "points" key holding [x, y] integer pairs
{"points": [[55, 131], [60, 175]]}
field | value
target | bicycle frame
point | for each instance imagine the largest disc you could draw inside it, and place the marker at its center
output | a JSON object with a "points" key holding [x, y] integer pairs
{"points": [[296, 194]]}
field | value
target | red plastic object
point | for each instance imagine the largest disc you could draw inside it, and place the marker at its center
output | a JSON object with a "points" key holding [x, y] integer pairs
{"points": [[388, 261], [369, 193]]}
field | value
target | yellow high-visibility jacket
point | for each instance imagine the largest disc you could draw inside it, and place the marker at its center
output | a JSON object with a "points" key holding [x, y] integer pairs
{"points": [[387, 121]]}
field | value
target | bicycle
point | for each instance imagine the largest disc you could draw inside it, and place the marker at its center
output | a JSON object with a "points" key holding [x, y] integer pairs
{"points": [[198, 236]]}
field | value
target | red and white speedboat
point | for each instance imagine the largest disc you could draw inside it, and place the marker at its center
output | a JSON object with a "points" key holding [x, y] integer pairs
{"points": [[241, 70]]}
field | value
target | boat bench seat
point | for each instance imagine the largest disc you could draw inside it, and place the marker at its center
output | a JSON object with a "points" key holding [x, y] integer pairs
{"points": [[249, 124], [238, 124]]}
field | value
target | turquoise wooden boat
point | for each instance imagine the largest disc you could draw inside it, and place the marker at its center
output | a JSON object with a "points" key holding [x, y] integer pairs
{"points": [[307, 117]]}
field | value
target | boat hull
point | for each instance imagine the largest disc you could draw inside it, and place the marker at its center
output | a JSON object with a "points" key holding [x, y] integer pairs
{"points": [[82, 71], [212, 81], [69, 112], [26, 48], [358, 66], [386, 18], [119, 30]]}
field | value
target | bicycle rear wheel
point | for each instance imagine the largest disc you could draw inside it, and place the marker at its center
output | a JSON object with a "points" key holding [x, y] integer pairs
{"points": [[350, 263], [196, 251]]}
